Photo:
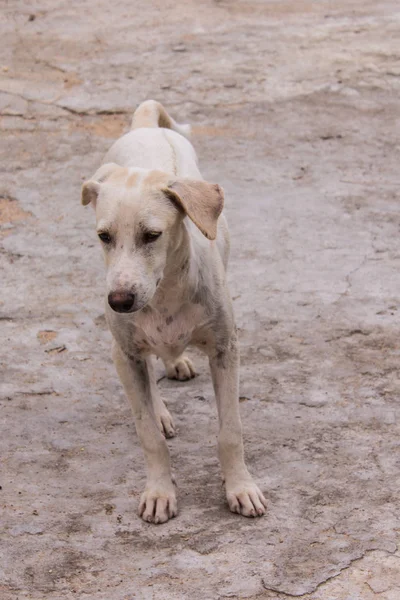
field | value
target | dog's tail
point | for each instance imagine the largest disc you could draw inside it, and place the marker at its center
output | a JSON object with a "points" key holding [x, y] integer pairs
{"points": [[152, 114]]}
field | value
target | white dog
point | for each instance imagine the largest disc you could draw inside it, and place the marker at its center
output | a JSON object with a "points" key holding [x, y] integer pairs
{"points": [[166, 248]]}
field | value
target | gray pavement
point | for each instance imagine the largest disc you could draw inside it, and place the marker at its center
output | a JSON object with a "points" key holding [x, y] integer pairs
{"points": [[295, 108]]}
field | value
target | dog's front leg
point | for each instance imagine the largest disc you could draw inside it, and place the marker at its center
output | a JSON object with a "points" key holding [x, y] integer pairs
{"points": [[158, 501], [243, 495]]}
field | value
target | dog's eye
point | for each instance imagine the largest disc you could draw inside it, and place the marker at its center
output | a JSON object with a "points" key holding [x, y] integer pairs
{"points": [[151, 236], [105, 237]]}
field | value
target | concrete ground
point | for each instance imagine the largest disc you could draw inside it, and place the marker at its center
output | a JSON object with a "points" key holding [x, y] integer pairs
{"points": [[295, 108]]}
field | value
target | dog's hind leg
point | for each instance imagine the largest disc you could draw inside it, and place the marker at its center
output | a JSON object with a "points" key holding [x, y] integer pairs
{"points": [[182, 368], [163, 416]]}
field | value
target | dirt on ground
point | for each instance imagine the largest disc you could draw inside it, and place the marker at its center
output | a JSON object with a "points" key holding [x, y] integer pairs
{"points": [[295, 112]]}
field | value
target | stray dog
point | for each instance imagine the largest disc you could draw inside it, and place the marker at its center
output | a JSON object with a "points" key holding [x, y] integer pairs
{"points": [[166, 289]]}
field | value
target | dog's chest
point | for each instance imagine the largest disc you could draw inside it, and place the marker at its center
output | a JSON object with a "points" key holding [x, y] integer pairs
{"points": [[166, 333]]}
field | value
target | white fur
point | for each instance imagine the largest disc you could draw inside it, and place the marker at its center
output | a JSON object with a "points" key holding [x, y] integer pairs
{"points": [[181, 298]]}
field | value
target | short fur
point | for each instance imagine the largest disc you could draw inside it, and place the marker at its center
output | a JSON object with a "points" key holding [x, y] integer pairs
{"points": [[149, 186]]}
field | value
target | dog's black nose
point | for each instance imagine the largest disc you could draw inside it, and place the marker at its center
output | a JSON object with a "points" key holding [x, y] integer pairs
{"points": [[121, 301]]}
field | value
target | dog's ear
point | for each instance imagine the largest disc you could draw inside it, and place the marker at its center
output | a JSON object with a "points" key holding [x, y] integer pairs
{"points": [[201, 201], [91, 188], [90, 191]]}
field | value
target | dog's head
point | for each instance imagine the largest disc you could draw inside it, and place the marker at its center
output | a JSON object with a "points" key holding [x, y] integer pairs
{"points": [[139, 215]]}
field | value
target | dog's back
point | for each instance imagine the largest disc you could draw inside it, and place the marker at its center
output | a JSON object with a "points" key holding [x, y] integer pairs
{"points": [[157, 142]]}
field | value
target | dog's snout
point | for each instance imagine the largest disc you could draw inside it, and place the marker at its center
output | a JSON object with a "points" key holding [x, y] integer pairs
{"points": [[121, 301]]}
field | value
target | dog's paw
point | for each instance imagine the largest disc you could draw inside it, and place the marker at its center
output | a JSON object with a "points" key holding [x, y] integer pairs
{"points": [[165, 421], [158, 503], [182, 369], [245, 498]]}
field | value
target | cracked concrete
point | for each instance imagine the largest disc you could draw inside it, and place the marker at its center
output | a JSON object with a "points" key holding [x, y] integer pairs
{"points": [[294, 107]]}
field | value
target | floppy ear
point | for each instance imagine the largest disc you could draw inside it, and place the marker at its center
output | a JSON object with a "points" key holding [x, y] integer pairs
{"points": [[201, 201], [91, 188], [90, 191]]}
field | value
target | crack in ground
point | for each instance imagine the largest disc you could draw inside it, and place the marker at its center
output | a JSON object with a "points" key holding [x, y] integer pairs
{"points": [[74, 111], [321, 583], [353, 272], [348, 334]]}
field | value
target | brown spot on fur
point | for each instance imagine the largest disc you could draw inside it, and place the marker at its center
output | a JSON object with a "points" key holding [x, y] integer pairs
{"points": [[221, 359], [156, 179], [185, 265], [200, 295], [132, 179], [169, 320], [135, 359]]}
